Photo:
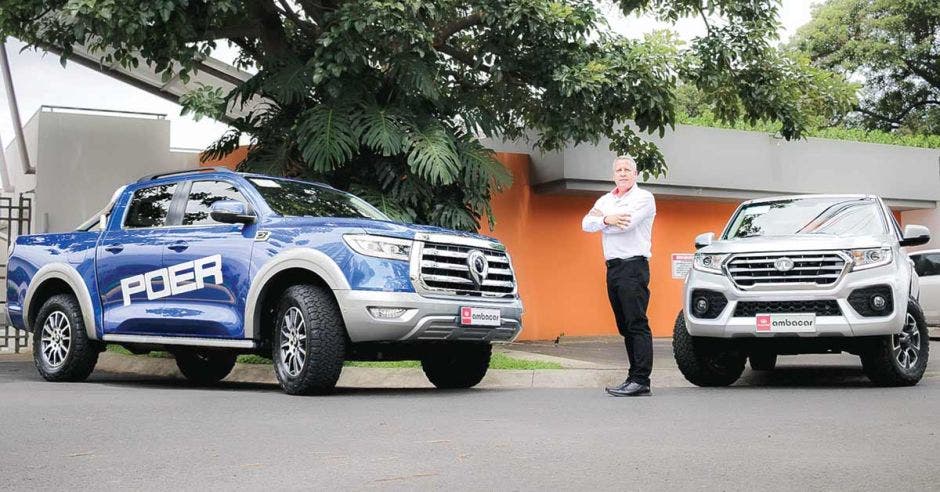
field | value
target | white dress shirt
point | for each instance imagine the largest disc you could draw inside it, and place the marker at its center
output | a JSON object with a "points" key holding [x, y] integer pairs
{"points": [[633, 240]]}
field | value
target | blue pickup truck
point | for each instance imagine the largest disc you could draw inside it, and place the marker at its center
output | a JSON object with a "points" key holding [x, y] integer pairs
{"points": [[209, 264]]}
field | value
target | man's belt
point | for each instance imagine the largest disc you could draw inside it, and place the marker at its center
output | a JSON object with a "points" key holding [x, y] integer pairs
{"points": [[616, 261]]}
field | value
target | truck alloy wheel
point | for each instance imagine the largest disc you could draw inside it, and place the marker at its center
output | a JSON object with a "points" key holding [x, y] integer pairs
{"points": [[906, 345], [61, 348], [900, 359], [309, 340], [56, 339], [293, 342]]}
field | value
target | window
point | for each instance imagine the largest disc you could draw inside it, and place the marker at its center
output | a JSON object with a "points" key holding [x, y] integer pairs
{"points": [[828, 216], [927, 265], [149, 206], [299, 199], [201, 197]]}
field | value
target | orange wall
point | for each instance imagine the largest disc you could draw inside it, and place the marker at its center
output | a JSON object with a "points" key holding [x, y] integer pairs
{"points": [[560, 269], [230, 161]]}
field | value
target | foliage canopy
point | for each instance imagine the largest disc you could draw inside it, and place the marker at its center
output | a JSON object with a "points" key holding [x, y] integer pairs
{"points": [[390, 98], [894, 47]]}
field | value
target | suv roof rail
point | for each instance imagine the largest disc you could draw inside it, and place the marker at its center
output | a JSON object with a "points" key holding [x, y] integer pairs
{"points": [[218, 169]]}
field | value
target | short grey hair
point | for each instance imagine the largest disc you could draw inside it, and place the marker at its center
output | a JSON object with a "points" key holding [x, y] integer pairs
{"points": [[625, 158]]}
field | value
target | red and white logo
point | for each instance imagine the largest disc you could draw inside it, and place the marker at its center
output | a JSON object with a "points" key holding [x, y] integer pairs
{"points": [[763, 322], [466, 316]]}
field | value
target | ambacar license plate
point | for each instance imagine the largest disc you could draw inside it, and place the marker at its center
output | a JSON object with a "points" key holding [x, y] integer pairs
{"points": [[475, 316], [786, 323]]}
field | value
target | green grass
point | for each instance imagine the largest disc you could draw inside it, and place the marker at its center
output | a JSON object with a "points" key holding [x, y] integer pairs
{"points": [[498, 361]]}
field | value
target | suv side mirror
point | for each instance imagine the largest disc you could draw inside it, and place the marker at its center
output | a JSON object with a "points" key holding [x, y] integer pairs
{"points": [[231, 212], [915, 235], [704, 239]]}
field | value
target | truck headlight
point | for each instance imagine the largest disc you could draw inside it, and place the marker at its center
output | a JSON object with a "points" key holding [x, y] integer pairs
{"points": [[870, 258], [379, 246], [710, 263]]}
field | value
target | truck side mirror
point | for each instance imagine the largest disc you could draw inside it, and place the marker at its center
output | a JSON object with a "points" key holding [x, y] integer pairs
{"points": [[915, 235], [704, 239], [231, 212]]}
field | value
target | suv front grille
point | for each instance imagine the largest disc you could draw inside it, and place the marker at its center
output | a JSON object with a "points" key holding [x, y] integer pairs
{"points": [[444, 269], [808, 268], [749, 309]]}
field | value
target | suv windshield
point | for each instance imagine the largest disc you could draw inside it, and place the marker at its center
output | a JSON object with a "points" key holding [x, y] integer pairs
{"points": [[830, 215], [299, 199]]}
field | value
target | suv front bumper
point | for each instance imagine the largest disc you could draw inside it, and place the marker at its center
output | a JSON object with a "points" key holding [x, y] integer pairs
{"points": [[426, 319], [849, 324]]}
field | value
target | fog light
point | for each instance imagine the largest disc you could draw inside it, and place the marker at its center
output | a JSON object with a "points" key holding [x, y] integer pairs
{"points": [[701, 305], [387, 312], [878, 303]]}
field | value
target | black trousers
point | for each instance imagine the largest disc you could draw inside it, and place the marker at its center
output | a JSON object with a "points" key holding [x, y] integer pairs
{"points": [[628, 289]]}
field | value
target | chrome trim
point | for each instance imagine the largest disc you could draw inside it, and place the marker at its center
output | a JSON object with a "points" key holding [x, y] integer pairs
{"points": [[184, 341], [363, 327], [417, 261], [836, 276], [453, 331], [459, 240]]}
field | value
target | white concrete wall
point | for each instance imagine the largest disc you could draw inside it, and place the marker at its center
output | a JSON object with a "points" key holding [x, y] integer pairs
{"points": [[21, 181], [713, 162], [82, 158]]}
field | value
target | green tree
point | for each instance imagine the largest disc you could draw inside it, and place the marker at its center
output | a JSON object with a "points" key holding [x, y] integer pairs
{"points": [[390, 98], [893, 46]]}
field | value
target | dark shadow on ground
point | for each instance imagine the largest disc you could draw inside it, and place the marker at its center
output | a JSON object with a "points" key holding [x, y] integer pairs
{"points": [[23, 371]]}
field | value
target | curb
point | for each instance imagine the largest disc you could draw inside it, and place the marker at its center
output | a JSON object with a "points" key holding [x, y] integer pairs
{"points": [[369, 377]]}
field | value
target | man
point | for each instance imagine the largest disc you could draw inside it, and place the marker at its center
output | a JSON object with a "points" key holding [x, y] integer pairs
{"points": [[625, 219]]}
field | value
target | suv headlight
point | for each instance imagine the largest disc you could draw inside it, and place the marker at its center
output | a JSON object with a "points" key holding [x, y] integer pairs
{"points": [[380, 246], [870, 258], [710, 263]]}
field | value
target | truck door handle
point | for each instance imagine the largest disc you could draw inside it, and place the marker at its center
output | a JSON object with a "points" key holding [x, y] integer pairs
{"points": [[114, 248], [178, 247]]}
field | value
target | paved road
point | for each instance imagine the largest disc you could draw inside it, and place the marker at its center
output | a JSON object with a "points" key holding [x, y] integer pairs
{"points": [[815, 427]]}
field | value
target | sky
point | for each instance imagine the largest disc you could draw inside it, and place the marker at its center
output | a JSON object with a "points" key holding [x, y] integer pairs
{"points": [[39, 80]]}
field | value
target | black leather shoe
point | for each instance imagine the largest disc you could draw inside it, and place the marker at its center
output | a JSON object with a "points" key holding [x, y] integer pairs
{"points": [[630, 389], [619, 387]]}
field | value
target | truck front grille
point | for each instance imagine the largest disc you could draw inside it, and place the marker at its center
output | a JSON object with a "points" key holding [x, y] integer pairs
{"points": [[445, 269], [749, 309], [805, 268]]}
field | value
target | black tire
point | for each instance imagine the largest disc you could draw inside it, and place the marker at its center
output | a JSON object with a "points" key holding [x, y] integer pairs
{"points": [[323, 341], [62, 350], [900, 360], [454, 366], [705, 361], [204, 366], [763, 361]]}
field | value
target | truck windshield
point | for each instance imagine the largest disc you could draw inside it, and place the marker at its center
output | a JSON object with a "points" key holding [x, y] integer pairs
{"points": [[299, 199], [824, 215]]}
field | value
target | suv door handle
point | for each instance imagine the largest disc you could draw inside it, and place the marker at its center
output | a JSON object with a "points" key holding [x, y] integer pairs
{"points": [[114, 248], [179, 247]]}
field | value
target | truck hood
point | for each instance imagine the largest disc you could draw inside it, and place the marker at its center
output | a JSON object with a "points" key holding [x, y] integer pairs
{"points": [[381, 228], [799, 242]]}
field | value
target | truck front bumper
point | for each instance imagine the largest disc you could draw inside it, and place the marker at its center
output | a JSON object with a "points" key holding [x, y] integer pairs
{"points": [[849, 324], [424, 319]]}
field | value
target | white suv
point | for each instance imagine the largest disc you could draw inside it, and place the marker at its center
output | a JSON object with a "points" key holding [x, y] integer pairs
{"points": [[927, 266], [804, 274]]}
